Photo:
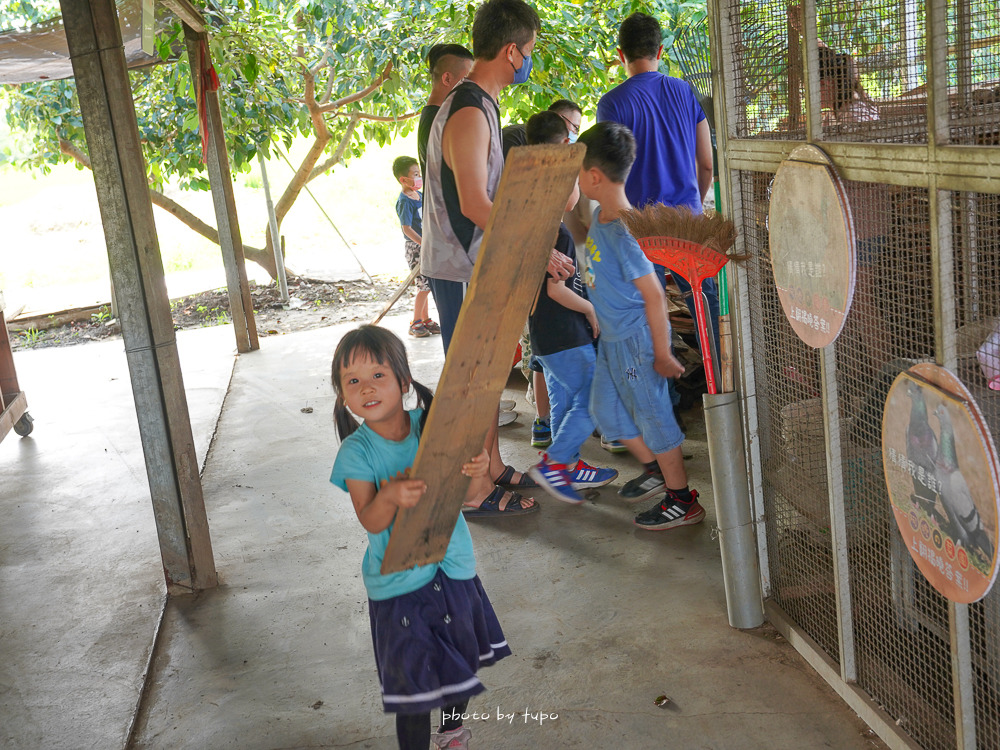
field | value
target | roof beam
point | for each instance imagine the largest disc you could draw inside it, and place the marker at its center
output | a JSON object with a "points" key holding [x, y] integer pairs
{"points": [[189, 14]]}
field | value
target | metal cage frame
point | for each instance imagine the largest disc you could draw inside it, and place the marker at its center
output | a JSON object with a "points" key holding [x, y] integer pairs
{"points": [[946, 170]]}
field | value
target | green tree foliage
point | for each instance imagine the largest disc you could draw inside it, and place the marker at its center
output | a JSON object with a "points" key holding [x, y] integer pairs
{"points": [[18, 15], [341, 73]]}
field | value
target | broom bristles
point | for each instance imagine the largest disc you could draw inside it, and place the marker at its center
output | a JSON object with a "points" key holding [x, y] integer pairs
{"points": [[712, 230]]}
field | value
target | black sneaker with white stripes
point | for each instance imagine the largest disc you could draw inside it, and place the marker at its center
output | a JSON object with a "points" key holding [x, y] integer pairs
{"points": [[670, 513]]}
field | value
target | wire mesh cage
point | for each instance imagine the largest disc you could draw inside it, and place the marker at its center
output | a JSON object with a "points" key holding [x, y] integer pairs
{"points": [[976, 256], [872, 71], [974, 72], [900, 622], [927, 290], [793, 451], [766, 71]]}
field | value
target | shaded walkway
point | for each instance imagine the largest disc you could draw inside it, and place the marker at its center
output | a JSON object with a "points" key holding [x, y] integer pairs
{"points": [[602, 618]]}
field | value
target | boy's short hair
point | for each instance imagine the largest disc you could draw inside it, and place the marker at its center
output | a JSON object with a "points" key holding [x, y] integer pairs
{"points": [[610, 148], [401, 165], [440, 51], [565, 105], [500, 22], [640, 37], [546, 127]]}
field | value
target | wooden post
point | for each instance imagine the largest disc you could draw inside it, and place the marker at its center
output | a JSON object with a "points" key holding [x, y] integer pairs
{"points": [[230, 239], [519, 236], [794, 80], [95, 45], [8, 376]]}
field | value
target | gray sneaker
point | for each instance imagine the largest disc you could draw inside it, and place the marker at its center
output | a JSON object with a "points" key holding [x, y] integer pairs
{"points": [[456, 739], [643, 487]]}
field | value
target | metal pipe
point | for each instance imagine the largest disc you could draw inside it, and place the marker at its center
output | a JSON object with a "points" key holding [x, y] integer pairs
{"points": [[327, 216], [272, 219], [740, 570]]}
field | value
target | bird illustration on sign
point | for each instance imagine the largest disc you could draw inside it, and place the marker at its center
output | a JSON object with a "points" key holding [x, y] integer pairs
{"points": [[941, 472], [953, 489]]}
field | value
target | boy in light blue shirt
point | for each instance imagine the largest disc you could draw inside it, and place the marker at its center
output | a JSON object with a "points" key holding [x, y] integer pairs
{"points": [[629, 400]]}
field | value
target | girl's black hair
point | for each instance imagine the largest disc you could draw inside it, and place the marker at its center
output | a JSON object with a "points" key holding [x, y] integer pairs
{"points": [[386, 349]]}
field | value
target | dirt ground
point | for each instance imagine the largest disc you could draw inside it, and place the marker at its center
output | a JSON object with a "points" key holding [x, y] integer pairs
{"points": [[314, 304]]}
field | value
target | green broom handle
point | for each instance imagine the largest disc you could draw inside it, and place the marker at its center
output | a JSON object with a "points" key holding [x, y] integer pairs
{"points": [[722, 279]]}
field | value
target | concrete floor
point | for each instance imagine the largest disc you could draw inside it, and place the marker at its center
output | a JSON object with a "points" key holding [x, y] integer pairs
{"points": [[602, 618]]}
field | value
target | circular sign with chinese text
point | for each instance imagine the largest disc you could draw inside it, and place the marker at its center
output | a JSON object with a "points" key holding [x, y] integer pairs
{"points": [[941, 473], [812, 246]]}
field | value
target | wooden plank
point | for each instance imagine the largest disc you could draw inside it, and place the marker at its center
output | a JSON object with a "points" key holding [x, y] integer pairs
{"points": [[398, 293], [45, 321], [8, 375], [973, 168], [14, 411], [188, 13], [519, 236]]}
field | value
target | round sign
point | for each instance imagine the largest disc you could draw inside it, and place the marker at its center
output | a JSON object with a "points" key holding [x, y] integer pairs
{"points": [[812, 246], [941, 472]]}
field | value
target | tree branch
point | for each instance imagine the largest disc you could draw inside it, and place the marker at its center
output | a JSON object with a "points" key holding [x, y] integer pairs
{"points": [[169, 205], [378, 118], [68, 149], [338, 154], [327, 50], [359, 95]]}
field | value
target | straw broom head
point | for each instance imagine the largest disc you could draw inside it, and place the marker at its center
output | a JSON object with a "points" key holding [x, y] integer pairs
{"points": [[713, 230]]}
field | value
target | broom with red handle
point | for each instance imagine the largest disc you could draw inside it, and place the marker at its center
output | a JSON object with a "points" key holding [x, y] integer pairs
{"points": [[695, 247]]}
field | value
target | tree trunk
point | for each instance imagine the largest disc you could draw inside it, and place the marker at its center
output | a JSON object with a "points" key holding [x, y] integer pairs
{"points": [[294, 188]]}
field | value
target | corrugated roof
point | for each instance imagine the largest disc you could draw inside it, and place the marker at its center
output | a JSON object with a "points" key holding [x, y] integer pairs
{"points": [[40, 54]]}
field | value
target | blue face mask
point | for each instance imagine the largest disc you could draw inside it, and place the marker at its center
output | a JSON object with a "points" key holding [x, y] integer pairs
{"points": [[521, 74], [572, 137]]}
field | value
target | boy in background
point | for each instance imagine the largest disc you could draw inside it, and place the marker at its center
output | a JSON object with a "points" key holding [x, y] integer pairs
{"points": [[629, 400], [409, 209], [562, 329]]}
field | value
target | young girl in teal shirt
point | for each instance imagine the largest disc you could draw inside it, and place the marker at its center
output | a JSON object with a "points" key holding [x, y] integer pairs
{"points": [[432, 625]]}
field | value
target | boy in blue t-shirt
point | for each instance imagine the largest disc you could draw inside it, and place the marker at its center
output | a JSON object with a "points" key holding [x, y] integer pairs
{"points": [[409, 209], [629, 399], [562, 329]]}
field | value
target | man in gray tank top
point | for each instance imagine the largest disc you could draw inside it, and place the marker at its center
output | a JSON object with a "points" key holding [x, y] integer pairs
{"points": [[459, 184], [464, 163]]}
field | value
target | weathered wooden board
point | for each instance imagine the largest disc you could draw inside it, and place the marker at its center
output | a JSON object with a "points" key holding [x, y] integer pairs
{"points": [[223, 197], [521, 232], [812, 243], [14, 407], [8, 376]]}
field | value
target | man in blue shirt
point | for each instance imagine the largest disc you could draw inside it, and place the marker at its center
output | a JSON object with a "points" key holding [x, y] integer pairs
{"points": [[673, 162]]}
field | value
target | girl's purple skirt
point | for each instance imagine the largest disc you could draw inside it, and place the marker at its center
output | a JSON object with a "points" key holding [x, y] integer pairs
{"points": [[430, 643]]}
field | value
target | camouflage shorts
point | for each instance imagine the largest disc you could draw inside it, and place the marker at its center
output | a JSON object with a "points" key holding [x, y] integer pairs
{"points": [[413, 260]]}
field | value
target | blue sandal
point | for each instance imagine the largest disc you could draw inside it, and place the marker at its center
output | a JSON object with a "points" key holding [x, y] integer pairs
{"points": [[491, 505], [524, 483]]}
